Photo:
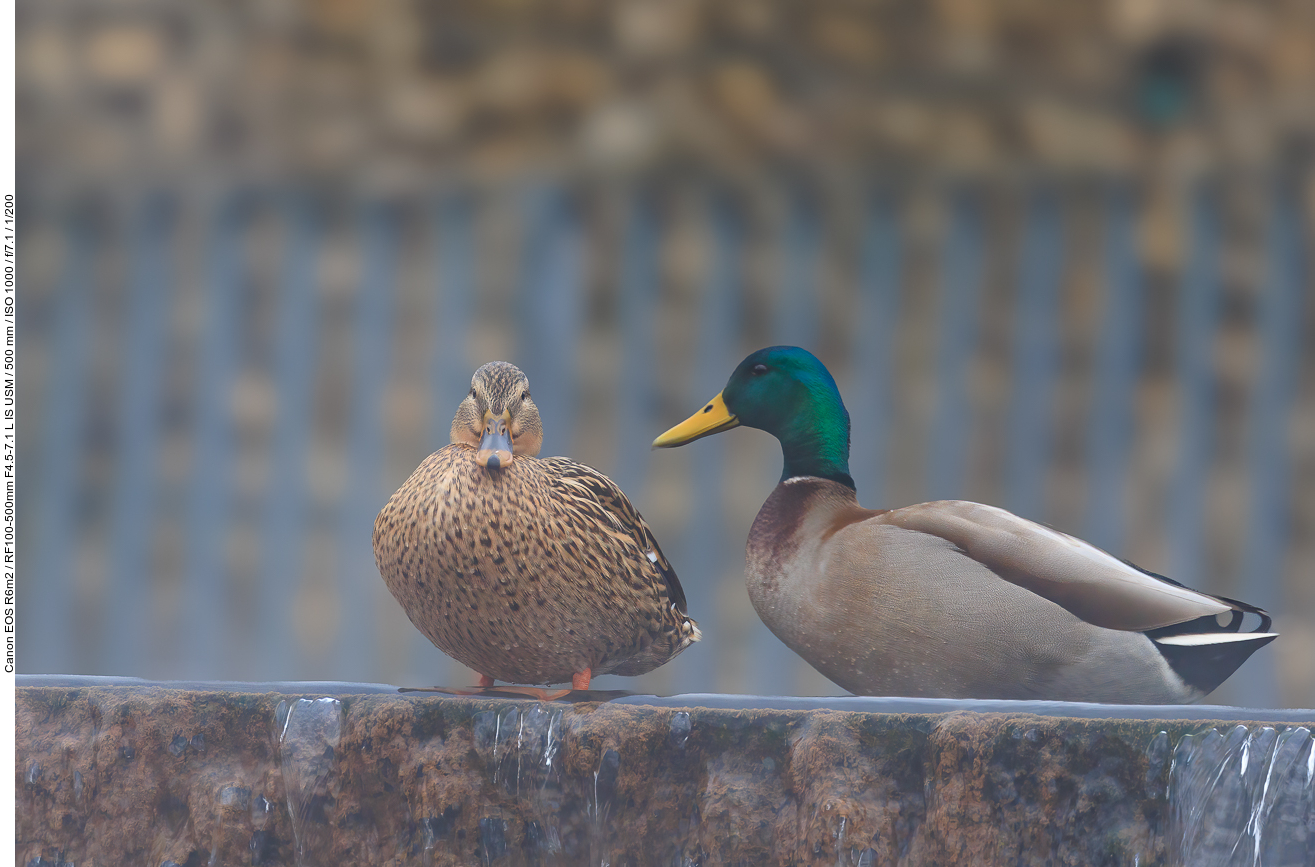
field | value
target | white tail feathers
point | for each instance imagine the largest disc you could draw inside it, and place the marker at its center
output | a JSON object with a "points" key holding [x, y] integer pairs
{"points": [[1212, 638]]}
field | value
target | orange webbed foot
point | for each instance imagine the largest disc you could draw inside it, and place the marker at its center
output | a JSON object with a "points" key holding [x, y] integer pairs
{"points": [[486, 689]]}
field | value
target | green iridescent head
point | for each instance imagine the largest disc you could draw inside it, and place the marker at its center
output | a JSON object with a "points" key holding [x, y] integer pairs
{"points": [[787, 392]]}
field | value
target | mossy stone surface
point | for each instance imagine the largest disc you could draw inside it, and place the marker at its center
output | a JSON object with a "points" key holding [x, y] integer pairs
{"points": [[117, 775]]}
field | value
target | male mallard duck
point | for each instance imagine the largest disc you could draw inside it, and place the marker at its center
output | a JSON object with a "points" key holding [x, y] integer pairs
{"points": [[950, 599], [527, 570]]}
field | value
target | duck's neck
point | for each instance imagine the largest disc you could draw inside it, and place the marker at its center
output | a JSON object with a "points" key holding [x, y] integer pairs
{"points": [[817, 445]]}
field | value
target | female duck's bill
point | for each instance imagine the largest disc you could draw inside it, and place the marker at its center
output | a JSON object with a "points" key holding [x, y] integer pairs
{"points": [[495, 446]]}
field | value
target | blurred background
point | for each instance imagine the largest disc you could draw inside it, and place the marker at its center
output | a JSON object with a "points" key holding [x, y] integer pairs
{"points": [[1057, 255]]}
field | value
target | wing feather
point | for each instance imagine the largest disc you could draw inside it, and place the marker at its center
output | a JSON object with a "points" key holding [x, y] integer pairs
{"points": [[598, 495], [1090, 583]]}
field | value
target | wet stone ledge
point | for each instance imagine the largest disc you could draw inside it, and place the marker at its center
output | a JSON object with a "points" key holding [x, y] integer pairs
{"points": [[327, 774]]}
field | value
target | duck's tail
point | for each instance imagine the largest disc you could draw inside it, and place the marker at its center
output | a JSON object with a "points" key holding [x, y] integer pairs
{"points": [[1204, 652]]}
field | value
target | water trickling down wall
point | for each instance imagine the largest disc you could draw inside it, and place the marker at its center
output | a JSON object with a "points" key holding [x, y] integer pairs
{"points": [[1242, 796], [156, 776]]}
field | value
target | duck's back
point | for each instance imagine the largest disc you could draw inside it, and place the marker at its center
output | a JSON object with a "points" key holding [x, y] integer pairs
{"points": [[882, 610], [530, 572]]}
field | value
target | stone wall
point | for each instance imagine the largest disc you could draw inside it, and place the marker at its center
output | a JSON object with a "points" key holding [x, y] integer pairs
{"points": [[390, 93], [118, 775]]}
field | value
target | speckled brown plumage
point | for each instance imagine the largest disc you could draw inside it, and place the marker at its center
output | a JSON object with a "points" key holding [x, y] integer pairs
{"points": [[531, 572]]}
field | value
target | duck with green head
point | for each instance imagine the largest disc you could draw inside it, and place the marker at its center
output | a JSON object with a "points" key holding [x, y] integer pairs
{"points": [[950, 598]]}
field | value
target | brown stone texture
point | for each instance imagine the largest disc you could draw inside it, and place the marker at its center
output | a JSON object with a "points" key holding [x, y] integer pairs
{"points": [[392, 92], [116, 775]]}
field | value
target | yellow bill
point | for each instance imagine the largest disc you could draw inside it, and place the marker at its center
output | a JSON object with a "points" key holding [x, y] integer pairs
{"points": [[713, 418]]}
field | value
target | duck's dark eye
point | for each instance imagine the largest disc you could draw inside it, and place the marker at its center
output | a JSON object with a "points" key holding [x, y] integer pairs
{"points": [[525, 395], [759, 369], [472, 391]]}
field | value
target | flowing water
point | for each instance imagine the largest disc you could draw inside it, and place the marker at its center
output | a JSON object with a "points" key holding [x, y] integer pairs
{"points": [[1243, 796]]}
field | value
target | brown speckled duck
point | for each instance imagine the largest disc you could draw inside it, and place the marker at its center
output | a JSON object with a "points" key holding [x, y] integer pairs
{"points": [[951, 599], [528, 570]]}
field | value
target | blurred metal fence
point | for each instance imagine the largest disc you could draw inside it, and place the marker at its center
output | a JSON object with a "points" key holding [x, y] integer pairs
{"points": [[219, 393]]}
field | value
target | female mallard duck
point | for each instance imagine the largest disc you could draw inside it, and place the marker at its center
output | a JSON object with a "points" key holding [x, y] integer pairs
{"points": [[950, 599], [527, 570]]}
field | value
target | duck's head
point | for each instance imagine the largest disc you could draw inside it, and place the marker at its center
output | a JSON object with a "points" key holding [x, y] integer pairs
{"points": [[787, 392], [498, 418]]}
